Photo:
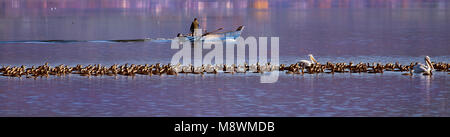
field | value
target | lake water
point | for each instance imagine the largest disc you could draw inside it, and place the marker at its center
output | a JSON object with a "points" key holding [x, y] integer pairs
{"points": [[332, 30]]}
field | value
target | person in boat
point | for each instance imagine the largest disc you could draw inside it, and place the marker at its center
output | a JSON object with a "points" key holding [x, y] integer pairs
{"points": [[194, 25]]}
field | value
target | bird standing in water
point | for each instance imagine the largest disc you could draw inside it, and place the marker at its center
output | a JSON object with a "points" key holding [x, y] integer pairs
{"points": [[425, 69], [308, 63]]}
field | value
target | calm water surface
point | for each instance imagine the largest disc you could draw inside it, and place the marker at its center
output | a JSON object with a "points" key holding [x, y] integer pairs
{"points": [[332, 30]]}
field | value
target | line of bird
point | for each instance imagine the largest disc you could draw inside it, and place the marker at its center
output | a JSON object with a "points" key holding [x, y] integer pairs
{"points": [[303, 66]]}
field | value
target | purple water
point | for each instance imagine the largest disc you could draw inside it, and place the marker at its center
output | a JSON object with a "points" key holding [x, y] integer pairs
{"points": [[333, 30]]}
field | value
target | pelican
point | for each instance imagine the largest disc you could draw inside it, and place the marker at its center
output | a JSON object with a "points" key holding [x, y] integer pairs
{"points": [[266, 68], [309, 62], [211, 68], [229, 68], [177, 68], [425, 69], [187, 69], [253, 67], [198, 70]]}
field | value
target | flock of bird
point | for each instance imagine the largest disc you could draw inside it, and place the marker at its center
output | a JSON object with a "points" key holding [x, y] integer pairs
{"points": [[310, 66]]}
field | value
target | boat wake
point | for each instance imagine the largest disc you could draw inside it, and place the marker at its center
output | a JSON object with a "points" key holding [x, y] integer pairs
{"points": [[158, 40], [213, 34]]}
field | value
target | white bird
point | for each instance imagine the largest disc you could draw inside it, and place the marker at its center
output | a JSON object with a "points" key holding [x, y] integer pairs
{"points": [[253, 67], [309, 62], [211, 69], [187, 69], [229, 68], [198, 70], [421, 68], [266, 68], [177, 68]]}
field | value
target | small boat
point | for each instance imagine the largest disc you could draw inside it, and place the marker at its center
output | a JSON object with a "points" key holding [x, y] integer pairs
{"points": [[214, 34]]}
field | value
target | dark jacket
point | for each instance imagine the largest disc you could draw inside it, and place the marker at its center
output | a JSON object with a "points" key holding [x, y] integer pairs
{"points": [[194, 26]]}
